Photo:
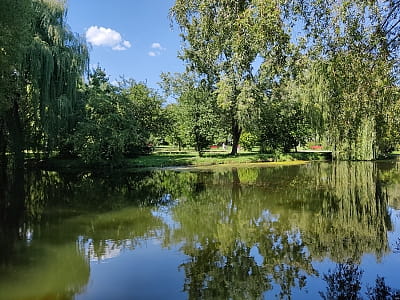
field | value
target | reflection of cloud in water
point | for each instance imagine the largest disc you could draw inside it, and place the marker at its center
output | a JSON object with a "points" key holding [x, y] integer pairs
{"points": [[394, 235], [110, 250], [163, 210]]}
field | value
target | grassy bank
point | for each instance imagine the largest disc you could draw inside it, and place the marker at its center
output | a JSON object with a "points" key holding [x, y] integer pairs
{"points": [[215, 158], [170, 157]]}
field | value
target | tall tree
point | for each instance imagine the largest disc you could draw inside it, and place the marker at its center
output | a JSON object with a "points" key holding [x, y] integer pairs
{"points": [[349, 79], [223, 40], [15, 17], [118, 121], [54, 66], [42, 62]]}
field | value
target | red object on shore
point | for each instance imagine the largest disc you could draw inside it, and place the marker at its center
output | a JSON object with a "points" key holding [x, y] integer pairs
{"points": [[316, 147]]}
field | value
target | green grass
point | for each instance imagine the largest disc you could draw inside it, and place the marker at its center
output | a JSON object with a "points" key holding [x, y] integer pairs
{"points": [[164, 157], [172, 158]]}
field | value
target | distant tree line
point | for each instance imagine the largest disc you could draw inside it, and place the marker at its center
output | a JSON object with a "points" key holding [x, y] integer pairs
{"points": [[272, 73]]}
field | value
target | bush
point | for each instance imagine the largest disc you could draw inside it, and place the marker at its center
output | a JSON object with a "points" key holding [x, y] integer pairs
{"points": [[248, 141]]}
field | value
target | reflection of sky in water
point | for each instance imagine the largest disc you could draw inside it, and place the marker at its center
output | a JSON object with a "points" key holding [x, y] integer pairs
{"points": [[163, 211], [388, 268], [150, 265], [148, 272], [110, 250]]}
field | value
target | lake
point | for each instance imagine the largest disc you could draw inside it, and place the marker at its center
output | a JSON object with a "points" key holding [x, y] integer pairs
{"points": [[312, 231]]}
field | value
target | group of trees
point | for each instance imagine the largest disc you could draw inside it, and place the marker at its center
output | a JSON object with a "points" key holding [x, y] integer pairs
{"points": [[277, 73], [47, 106], [290, 71], [117, 121]]}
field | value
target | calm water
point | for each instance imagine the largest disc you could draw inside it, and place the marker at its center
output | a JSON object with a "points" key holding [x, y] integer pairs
{"points": [[297, 232]]}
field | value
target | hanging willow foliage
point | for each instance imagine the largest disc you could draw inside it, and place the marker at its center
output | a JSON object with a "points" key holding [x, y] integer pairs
{"points": [[351, 99], [14, 36], [53, 67], [350, 83]]}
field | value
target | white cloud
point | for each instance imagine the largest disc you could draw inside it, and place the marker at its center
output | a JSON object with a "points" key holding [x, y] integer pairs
{"points": [[107, 37], [127, 44], [157, 49], [157, 46], [119, 48]]}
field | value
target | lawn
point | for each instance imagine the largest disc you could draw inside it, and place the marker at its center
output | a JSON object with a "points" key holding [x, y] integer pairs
{"points": [[164, 157], [167, 157]]}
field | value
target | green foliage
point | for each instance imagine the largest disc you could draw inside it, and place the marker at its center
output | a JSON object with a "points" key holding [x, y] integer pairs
{"points": [[195, 116], [118, 121], [222, 40], [248, 141], [176, 132], [41, 63], [356, 118], [339, 83], [200, 118], [283, 125], [348, 84], [15, 24], [54, 65], [343, 283]]}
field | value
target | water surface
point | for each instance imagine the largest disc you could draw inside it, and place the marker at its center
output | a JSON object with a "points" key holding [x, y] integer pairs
{"points": [[293, 232]]}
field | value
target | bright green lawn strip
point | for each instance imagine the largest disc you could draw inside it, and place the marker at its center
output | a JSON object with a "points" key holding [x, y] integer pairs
{"points": [[208, 159]]}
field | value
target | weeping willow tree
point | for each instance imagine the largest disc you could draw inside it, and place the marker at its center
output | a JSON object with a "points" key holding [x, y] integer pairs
{"points": [[349, 83], [53, 66], [44, 70], [352, 103], [14, 37]]}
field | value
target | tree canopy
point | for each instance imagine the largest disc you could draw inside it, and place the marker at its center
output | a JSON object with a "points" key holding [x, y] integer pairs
{"points": [[223, 41]]}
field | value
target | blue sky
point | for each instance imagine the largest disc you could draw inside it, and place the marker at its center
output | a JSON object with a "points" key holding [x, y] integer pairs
{"points": [[128, 37]]}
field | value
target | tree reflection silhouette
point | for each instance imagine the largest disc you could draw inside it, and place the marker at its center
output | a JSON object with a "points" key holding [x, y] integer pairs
{"points": [[336, 211], [345, 283], [227, 226], [213, 275], [245, 231]]}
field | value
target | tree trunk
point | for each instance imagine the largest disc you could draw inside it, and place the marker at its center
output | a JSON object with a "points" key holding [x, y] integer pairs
{"points": [[236, 132], [3, 144], [12, 211], [16, 134]]}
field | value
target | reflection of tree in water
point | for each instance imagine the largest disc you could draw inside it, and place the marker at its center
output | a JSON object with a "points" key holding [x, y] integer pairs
{"points": [[19, 254], [229, 226], [45, 215], [382, 291], [345, 283], [211, 274], [245, 230], [331, 210], [357, 202], [12, 211], [341, 210], [106, 235]]}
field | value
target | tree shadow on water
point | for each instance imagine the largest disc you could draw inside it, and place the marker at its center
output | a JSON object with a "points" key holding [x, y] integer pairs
{"points": [[345, 283]]}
